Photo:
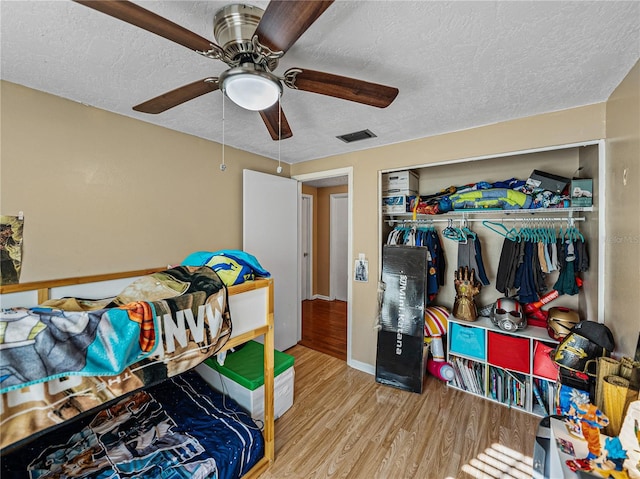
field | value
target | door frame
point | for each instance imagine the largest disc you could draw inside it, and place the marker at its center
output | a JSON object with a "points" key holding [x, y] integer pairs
{"points": [[308, 213], [348, 172]]}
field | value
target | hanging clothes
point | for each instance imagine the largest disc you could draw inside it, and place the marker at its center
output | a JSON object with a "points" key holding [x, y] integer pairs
{"points": [[470, 255], [511, 257], [582, 262], [529, 278], [573, 259], [530, 254], [427, 238], [436, 262], [521, 269], [566, 283]]}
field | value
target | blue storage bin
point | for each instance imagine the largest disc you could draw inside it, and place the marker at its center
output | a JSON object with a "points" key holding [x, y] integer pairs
{"points": [[468, 341]]}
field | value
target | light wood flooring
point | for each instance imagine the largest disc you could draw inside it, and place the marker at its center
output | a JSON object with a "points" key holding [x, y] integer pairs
{"points": [[345, 425]]}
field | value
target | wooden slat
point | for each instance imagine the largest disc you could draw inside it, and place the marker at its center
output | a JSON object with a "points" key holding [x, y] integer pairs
{"points": [[56, 283], [269, 378], [250, 286], [244, 337]]}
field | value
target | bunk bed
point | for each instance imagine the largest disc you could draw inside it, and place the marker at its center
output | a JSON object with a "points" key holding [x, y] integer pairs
{"points": [[101, 412]]}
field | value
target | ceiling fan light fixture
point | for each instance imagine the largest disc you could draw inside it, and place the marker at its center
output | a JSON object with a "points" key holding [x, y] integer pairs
{"points": [[251, 88]]}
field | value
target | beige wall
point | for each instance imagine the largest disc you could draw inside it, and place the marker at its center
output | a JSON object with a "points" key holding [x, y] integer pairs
{"points": [[104, 193], [568, 126], [622, 244]]}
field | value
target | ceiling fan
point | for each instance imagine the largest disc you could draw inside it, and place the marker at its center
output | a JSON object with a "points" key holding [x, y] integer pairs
{"points": [[251, 41]]}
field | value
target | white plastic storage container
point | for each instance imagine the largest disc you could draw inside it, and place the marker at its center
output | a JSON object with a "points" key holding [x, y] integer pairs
{"points": [[242, 378], [253, 401]]}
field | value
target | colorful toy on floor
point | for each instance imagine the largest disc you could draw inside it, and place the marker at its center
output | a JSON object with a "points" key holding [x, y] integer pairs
{"points": [[435, 326], [440, 369]]}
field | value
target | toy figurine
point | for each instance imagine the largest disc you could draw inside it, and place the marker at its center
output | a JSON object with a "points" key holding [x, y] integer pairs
{"points": [[613, 459], [467, 288], [591, 420]]}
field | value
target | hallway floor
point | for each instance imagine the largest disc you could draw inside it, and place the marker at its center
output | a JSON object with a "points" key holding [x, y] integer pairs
{"points": [[324, 327]]}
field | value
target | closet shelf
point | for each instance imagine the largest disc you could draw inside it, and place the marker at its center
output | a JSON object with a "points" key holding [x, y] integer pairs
{"points": [[484, 212]]}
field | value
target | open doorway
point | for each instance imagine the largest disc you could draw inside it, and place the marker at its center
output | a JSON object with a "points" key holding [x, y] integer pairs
{"points": [[324, 312]]}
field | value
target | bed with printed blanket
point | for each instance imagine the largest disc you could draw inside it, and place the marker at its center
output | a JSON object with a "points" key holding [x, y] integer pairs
{"points": [[179, 428], [104, 388]]}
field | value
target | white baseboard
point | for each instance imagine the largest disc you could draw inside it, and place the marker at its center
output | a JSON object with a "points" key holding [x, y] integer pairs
{"points": [[360, 366], [319, 296]]}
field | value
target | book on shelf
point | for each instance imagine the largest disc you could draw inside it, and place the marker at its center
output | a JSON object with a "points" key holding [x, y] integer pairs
{"points": [[508, 388], [470, 381], [536, 393], [457, 379], [552, 397], [547, 391], [468, 374]]}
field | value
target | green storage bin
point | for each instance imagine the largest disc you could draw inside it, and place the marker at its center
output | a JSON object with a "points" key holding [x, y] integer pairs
{"points": [[246, 366]]}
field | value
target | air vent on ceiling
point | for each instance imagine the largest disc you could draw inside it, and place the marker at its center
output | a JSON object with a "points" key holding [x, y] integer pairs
{"points": [[356, 136]]}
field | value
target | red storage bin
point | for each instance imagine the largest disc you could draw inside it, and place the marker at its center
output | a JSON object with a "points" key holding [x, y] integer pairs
{"points": [[508, 352], [543, 364]]}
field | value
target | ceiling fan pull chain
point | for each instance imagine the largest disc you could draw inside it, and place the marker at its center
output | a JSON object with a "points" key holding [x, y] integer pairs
{"points": [[222, 165], [279, 169]]}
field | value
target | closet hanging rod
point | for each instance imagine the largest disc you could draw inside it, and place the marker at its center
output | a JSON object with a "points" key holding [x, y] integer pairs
{"points": [[497, 220]]}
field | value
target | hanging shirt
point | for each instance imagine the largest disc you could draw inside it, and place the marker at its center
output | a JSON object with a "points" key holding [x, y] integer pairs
{"points": [[470, 255]]}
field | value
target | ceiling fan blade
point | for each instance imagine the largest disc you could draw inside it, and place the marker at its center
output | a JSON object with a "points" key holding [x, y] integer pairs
{"points": [[270, 118], [338, 86], [139, 17], [178, 96], [284, 21]]}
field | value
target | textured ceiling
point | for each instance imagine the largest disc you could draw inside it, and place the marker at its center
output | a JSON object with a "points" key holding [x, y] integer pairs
{"points": [[457, 65]]}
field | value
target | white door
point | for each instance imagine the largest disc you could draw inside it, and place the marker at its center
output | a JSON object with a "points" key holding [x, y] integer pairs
{"points": [[306, 234], [339, 247], [270, 233]]}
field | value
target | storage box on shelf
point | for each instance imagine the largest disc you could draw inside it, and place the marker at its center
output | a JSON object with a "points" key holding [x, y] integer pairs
{"points": [[399, 204], [503, 366], [400, 183], [397, 190]]}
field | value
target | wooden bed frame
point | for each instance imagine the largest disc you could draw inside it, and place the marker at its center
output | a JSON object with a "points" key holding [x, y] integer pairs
{"points": [[250, 303]]}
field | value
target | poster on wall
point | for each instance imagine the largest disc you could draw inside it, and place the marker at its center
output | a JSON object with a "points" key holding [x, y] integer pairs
{"points": [[10, 249], [361, 270]]}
